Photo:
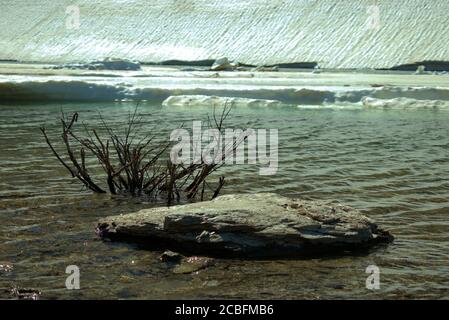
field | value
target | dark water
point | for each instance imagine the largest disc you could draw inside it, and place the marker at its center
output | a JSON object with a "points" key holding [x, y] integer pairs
{"points": [[392, 165]]}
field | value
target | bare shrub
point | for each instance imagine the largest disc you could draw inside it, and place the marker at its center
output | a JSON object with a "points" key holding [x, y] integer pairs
{"points": [[136, 166]]}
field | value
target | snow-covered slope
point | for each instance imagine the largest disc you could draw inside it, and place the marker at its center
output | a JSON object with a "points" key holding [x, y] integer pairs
{"points": [[336, 34]]}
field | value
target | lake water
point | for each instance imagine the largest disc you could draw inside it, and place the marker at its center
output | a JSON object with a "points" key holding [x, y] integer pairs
{"points": [[393, 165]]}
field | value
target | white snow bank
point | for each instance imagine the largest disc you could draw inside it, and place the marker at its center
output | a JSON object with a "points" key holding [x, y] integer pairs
{"points": [[200, 91], [75, 89], [404, 103], [208, 101], [390, 92]]}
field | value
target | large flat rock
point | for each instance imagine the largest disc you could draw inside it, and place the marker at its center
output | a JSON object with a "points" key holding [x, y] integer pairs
{"points": [[249, 225]]}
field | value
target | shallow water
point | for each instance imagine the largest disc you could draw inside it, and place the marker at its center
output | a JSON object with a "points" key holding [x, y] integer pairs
{"points": [[391, 164]]}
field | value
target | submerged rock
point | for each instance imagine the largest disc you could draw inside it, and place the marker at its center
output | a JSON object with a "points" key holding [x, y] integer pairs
{"points": [[185, 265], [6, 268], [170, 256], [252, 225], [25, 294], [193, 264]]}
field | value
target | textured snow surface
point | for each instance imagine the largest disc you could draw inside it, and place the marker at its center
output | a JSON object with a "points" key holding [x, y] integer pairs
{"points": [[336, 34]]}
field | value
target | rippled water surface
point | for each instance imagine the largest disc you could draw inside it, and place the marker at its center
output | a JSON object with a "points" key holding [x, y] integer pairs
{"points": [[392, 165]]}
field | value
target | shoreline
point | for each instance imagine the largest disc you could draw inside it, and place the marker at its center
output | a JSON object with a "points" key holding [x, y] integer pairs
{"points": [[303, 87]]}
